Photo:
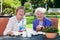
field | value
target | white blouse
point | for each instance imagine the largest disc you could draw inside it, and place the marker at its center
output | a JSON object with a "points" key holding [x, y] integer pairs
{"points": [[13, 24]]}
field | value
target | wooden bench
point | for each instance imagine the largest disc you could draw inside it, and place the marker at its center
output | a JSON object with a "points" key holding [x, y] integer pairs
{"points": [[55, 22], [4, 21]]}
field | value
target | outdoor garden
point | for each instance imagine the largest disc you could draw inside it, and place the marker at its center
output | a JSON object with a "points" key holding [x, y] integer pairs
{"points": [[9, 6]]}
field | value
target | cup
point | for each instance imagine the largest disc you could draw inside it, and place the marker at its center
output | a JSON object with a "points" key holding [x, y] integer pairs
{"points": [[23, 34], [29, 34]]}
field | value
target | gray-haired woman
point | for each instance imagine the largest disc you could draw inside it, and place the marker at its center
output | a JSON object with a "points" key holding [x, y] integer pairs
{"points": [[41, 20]]}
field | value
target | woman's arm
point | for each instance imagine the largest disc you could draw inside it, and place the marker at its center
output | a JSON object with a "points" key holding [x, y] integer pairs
{"points": [[34, 26], [8, 27]]}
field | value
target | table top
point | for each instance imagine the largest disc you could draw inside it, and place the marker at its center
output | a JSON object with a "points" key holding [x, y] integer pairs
{"points": [[35, 37]]}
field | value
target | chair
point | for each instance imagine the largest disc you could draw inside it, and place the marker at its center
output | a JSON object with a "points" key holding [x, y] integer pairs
{"points": [[55, 22], [3, 23]]}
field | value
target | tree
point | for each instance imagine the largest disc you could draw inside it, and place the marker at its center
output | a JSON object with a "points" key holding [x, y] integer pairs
{"points": [[37, 3], [10, 5], [57, 3], [22, 2], [28, 6], [53, 3]]}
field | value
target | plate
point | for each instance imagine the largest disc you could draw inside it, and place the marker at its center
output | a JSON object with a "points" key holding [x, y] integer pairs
{"points": [[16, 33], [34, 33], [41, 33]]}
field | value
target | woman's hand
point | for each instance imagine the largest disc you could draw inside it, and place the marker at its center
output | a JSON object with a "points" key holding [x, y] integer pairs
{"points": [[38, 28], [10, 33]]}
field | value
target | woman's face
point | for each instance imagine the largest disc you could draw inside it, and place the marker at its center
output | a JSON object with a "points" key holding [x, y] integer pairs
{"points": [[20, 13], [39, 15]]}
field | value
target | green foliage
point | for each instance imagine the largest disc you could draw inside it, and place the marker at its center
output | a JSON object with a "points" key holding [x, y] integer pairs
{"points": [[7, 11], [37, 3], [9, 5], [28, 7], [50, 29], [23, 2], [57, 3], [44, 3], [29, 19], [53, 13]]}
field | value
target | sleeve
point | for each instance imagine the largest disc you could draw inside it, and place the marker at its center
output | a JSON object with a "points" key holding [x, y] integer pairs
{"points": [[50, 23], [25, 21], [34, 26], [8, 27]]}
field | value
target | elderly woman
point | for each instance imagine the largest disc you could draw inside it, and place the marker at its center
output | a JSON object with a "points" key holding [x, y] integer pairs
{"points": [[41, 20], [16, 23]]}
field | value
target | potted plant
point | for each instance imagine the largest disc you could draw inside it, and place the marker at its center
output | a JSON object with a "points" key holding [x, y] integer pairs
{"points": [[51, 32]]}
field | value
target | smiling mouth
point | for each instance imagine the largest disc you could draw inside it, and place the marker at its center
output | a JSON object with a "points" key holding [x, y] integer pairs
{"points": [[21, 15], [39, 17]]}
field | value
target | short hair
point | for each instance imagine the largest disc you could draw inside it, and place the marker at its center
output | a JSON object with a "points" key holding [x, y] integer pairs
{"points": [[20, 7], [43, 10]]}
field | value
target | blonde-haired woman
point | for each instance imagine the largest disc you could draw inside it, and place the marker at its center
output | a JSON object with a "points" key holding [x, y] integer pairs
{"points": [[16, 23]]}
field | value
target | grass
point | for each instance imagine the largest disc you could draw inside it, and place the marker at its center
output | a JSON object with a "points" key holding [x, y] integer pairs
{"points": [[59, 25], [29, 21]]}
